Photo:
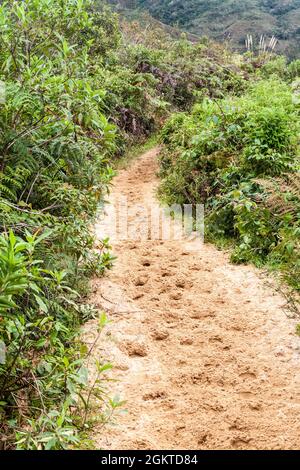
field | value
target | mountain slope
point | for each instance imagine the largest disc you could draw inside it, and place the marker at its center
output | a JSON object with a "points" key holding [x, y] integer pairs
{"points": [[230, 19]]}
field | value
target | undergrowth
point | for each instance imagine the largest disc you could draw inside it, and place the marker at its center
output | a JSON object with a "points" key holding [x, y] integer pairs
{"points": [[239, 155]]}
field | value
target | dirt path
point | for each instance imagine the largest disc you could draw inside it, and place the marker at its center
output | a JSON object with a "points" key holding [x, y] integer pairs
{"points": [[205, 355]]}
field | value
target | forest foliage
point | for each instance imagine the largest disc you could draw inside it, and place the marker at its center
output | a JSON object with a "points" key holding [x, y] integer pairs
{"points": [[239, 156]]}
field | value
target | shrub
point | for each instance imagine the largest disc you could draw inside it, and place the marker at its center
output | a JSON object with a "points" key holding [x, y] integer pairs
{"points": [[239, 156]]}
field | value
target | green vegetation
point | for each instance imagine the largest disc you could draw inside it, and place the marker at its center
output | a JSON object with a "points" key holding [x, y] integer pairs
{"points": [[240, 157], [55, 144], [229, 20]]}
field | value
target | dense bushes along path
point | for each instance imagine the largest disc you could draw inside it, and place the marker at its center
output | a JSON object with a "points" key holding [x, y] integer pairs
{"points": [[204, 353]]}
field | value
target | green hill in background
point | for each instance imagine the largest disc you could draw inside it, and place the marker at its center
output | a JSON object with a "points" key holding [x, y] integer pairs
{"points": [[229, 20]]}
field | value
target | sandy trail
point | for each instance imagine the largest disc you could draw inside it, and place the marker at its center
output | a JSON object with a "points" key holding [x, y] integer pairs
{"points": [[204, 353]]}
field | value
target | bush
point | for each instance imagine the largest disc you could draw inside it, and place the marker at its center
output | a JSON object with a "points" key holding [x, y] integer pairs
{"points": [[56, 141], [239, 156]]}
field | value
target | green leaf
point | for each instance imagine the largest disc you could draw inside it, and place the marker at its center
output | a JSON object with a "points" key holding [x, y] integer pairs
{"points": [[41, 303]]}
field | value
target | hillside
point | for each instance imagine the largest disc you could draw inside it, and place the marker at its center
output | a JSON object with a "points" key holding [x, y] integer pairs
{"points": [[230, 19]]}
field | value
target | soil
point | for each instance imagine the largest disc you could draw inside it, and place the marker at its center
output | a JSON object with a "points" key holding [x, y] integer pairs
{"points": [[204, 353]]}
